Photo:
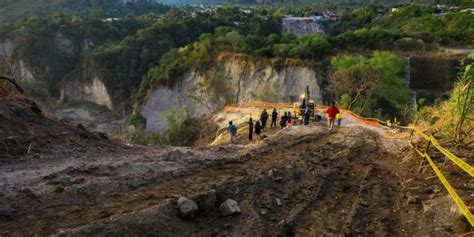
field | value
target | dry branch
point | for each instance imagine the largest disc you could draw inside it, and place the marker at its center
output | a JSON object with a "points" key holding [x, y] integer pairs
{"points": [[12, 81]]}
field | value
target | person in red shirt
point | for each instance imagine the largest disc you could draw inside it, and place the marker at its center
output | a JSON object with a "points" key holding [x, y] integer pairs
{"points": [[331, 112]]}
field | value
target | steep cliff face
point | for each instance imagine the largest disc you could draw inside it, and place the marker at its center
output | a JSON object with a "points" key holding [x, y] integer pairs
{"points": [[235, 78], [44, 59], [92, 90], [6, 48], [15, 67], [51, 64]]}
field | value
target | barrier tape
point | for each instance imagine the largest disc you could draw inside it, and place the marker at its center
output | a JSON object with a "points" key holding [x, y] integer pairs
{"points": [[459, 162], [376, 122], [456, 160], [457, 200]]}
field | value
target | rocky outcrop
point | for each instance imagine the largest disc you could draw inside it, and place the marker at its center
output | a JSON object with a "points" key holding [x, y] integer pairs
{"points": [[93, 90], [6, 48], [235, 78], [302, 25], [16, 68]]}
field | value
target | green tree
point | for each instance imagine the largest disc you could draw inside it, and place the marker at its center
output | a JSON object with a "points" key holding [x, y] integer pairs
{"points": [[369, 85]]}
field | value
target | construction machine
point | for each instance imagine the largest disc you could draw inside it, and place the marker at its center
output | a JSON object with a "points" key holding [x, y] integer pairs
{"points": [[300, 107]]}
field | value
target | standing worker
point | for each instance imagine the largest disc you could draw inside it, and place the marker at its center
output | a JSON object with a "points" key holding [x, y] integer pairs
{"points": [[283, 120], [250, 129], [264, 118], [331, 113], [274, 118], [258, 130], [307, 115], [233, 132]]}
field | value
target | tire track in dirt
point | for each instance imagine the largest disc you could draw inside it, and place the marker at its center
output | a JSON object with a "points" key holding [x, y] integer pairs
{"points": [[327, 184], [190, 181]]}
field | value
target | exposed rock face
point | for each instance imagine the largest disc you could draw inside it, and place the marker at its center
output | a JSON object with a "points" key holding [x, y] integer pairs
{"points": [[302, 25], [22, 71], [160, 102], [16, 68], [235, 78], [6, 48], [93, 90]]}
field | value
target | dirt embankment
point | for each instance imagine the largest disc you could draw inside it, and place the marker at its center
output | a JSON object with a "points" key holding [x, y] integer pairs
{"points": [[303, 181], [25, 130]]}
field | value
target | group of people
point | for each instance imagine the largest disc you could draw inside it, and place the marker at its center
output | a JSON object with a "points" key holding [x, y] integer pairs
{"points": [[286, 120], [261, 124]]}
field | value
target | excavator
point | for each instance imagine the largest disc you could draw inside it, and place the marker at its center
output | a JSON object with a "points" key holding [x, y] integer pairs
{"points": [[300, 107]]}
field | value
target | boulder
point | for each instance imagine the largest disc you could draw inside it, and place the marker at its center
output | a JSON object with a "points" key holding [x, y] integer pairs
{"points": [[187, 207], [229, 207]]}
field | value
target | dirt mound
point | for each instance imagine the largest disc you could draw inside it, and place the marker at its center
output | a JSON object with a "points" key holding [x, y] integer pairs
{"points": [[24, 129]]}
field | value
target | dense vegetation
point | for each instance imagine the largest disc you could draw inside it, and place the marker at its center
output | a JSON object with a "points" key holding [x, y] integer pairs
{"points": [[124, 64], [135, 48], [11, 10], [371, 86]]}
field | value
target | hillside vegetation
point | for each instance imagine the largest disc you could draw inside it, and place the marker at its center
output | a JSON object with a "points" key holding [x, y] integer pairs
{"points": [[10, 10]]}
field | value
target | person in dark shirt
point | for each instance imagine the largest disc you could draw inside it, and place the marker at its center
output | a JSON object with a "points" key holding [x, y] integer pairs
{"points": [[250, 129], [274, 119], [283, 120], [264, 118], [258, 130]]}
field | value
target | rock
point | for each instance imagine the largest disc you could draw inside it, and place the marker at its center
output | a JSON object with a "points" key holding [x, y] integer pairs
{"points": [[278, 202], [264, 212], [187, 207], [229, 207]]}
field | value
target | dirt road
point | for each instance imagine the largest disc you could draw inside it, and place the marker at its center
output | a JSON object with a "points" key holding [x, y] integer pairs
{"points": [[303, 181]]}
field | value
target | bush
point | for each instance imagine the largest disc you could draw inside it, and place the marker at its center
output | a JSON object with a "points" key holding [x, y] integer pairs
{"points": [[177, 132], [180, 131], [370, 86]]}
